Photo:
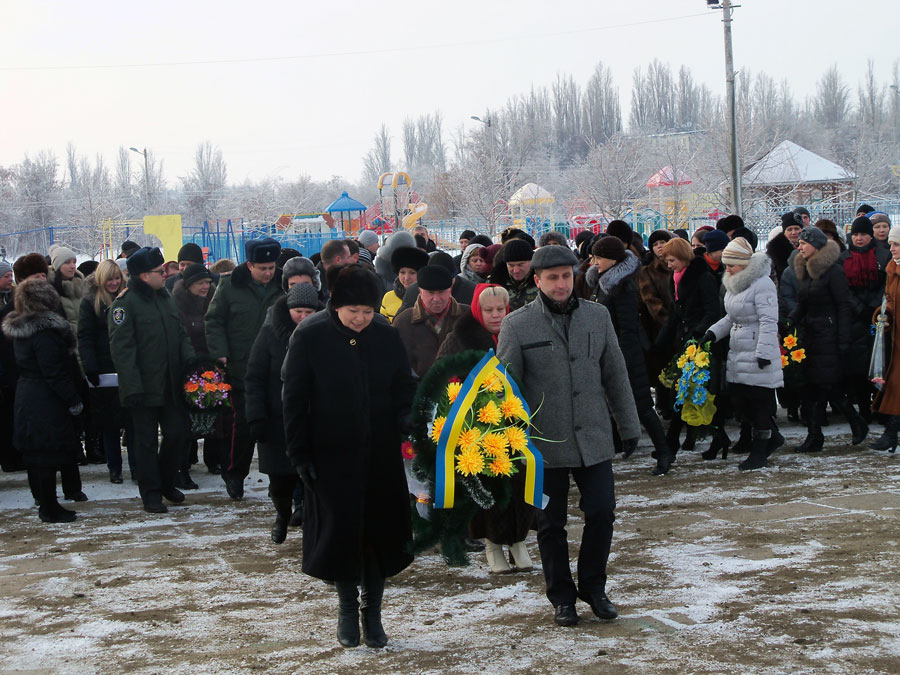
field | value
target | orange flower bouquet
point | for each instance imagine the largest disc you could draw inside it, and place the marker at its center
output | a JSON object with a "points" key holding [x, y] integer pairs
{"points": [[792, 357], [206, 393]]}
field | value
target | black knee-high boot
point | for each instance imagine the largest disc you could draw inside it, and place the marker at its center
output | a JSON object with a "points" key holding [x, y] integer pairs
{"points": [[815, 439], [888, 440], [370, 608], [759, 452], [348, 613], [674, 433], [858, 425], [777, 439], [50, 511], [281, 491], [661, 449]]}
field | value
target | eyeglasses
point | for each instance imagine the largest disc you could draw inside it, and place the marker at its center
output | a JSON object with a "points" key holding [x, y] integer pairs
{"points": [[159, 272]]}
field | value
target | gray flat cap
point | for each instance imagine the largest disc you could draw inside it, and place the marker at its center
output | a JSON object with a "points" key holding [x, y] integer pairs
{"points": [[553, 256]]}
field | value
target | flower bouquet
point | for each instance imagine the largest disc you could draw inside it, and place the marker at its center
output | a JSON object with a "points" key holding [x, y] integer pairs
{"points": [[472, 433], [692, 397], [792, 357], [207, 394]]}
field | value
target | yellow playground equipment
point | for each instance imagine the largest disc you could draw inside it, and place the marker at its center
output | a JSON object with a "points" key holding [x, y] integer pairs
{"points": [[407, 210]]}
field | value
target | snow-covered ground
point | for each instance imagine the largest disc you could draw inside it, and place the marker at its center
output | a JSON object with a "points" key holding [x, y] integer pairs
{"points": [[789, 569]]}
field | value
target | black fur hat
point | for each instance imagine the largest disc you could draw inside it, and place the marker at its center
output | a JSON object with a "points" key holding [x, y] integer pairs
{"points": [[414, 258], [355, 285]]}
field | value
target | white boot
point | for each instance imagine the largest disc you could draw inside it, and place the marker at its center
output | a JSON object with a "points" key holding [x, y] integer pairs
{"points": [[521, 557], [495, 558]]}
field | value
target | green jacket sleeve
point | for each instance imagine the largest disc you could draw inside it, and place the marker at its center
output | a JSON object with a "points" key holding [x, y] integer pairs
{"points": [[120, 320], [217, 323]]}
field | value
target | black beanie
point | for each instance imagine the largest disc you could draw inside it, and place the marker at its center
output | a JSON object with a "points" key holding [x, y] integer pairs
{"points": [[862, 225], [658, 235], [517, 250], [621, 230], [190, 252], [195, 272], [609, 247], [790, 219]]}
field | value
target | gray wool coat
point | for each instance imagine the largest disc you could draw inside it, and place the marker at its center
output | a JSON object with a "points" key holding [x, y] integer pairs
{"points": [[572, 382], [751, 317]]}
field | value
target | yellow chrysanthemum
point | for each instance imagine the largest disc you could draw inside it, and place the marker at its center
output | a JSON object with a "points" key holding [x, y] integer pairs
{"points": [[501, 466], [682, 361], [468, 439], [702, 359], [790, 341], [784, 360], [512, 408], [517, 439], [691, 351], [437, 427], [492, 383], [453, 391], [798, 355], [494, 445], [469, 462], [489, 413]]}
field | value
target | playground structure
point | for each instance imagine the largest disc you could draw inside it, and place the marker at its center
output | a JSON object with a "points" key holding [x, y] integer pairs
{"points": [[533, 204]]}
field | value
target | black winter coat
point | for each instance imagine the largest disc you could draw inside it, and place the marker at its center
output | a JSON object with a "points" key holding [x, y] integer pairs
{"points": [[49, 383], [779, 251], [192, 309], [696, 307], [864, 300], [93, 333], [9, 373], [823, 313], [616, 289], [263, 387], [345, 395]]}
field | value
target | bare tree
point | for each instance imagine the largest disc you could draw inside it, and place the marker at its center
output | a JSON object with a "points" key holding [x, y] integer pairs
{"points": [[832, 101], [601, 111]]}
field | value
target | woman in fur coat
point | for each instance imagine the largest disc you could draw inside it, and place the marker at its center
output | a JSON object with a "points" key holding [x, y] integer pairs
{"points": [[48, 395], [610, 279], [823, 314], [753, 369]]}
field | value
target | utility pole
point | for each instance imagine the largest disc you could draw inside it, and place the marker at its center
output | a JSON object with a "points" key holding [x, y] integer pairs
{"points": [[146, 176], [727, 7]]}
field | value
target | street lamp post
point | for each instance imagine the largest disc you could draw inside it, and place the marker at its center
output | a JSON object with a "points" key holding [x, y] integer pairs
{"points": [[146, 175], [727, 7], [490, 127]]}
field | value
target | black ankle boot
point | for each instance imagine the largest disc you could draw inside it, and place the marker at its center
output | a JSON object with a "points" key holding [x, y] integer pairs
{"points": [[858, 425], [348, 613], [370, 611], [745, 441], [888, 440], [721, 442], [759, 451], [661, 451]]}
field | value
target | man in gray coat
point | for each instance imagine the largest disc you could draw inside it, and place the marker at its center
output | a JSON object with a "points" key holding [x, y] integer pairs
{"points": [[565, 354]]}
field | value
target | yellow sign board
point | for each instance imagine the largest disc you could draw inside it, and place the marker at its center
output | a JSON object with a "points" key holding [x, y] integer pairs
{"points": [[168, 230]]}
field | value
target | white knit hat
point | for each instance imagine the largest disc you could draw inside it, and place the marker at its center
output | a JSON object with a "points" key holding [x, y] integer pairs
{"points": [[59, 255], [894, 235], [737, 252]]}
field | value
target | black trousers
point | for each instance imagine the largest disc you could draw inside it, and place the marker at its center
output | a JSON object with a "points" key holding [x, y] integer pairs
{"points": [[282, 489], [754, 404], [239, 446], [157, 463], [598, 502], [69, 475]]}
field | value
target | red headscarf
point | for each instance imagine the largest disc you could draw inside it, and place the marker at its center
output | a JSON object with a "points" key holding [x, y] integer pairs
{"points": [[476, 306]]}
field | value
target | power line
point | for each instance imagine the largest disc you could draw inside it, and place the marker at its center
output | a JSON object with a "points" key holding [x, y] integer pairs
{"points": [[367, 52]]}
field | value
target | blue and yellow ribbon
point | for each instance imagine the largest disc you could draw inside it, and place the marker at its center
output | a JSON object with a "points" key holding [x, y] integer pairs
{"points": [[445, 478]]}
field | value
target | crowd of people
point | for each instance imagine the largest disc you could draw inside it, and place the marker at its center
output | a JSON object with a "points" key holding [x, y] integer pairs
{"points": [[322, 356]]}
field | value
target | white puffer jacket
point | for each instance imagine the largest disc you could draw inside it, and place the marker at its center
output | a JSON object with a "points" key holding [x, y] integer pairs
{"points": [[751, 316]]}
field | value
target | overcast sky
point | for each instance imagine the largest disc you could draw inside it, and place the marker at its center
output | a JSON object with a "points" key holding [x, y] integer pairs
{"points": [[301, 87]]}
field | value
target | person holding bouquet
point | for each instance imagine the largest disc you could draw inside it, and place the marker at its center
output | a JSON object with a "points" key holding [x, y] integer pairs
{"points": [[508, 526], [347, 394], [753, 370], [887, 402], [265, 415], [150, 350]]}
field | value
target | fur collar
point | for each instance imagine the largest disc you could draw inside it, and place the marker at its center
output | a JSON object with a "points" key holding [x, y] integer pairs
{"points": [[472, 335], [188, 303], [278, 318], [611, 280], [820, 262], [240, 277], [759, 266], [780, 248], [695, 269], [23, 326], [72, 289]]}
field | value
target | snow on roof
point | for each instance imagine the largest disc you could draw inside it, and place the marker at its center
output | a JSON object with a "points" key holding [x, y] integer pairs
{"points": [[788, 163], [531, 193], [665, 177]]}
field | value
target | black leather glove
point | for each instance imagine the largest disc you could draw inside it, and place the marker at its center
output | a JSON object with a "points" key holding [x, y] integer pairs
{"points": [[307, 473], [629, 445], [259, 430], [762, 363], [134, 401], [708, 336], [93, 378]]}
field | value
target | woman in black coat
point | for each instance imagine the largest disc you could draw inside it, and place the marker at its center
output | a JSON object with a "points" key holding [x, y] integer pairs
{"points": [[823, 315], [102, 287], [696, 308], [347, 392], [47, 393], [611, 280], [864, 264], [265, 415], [478, 330]]}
